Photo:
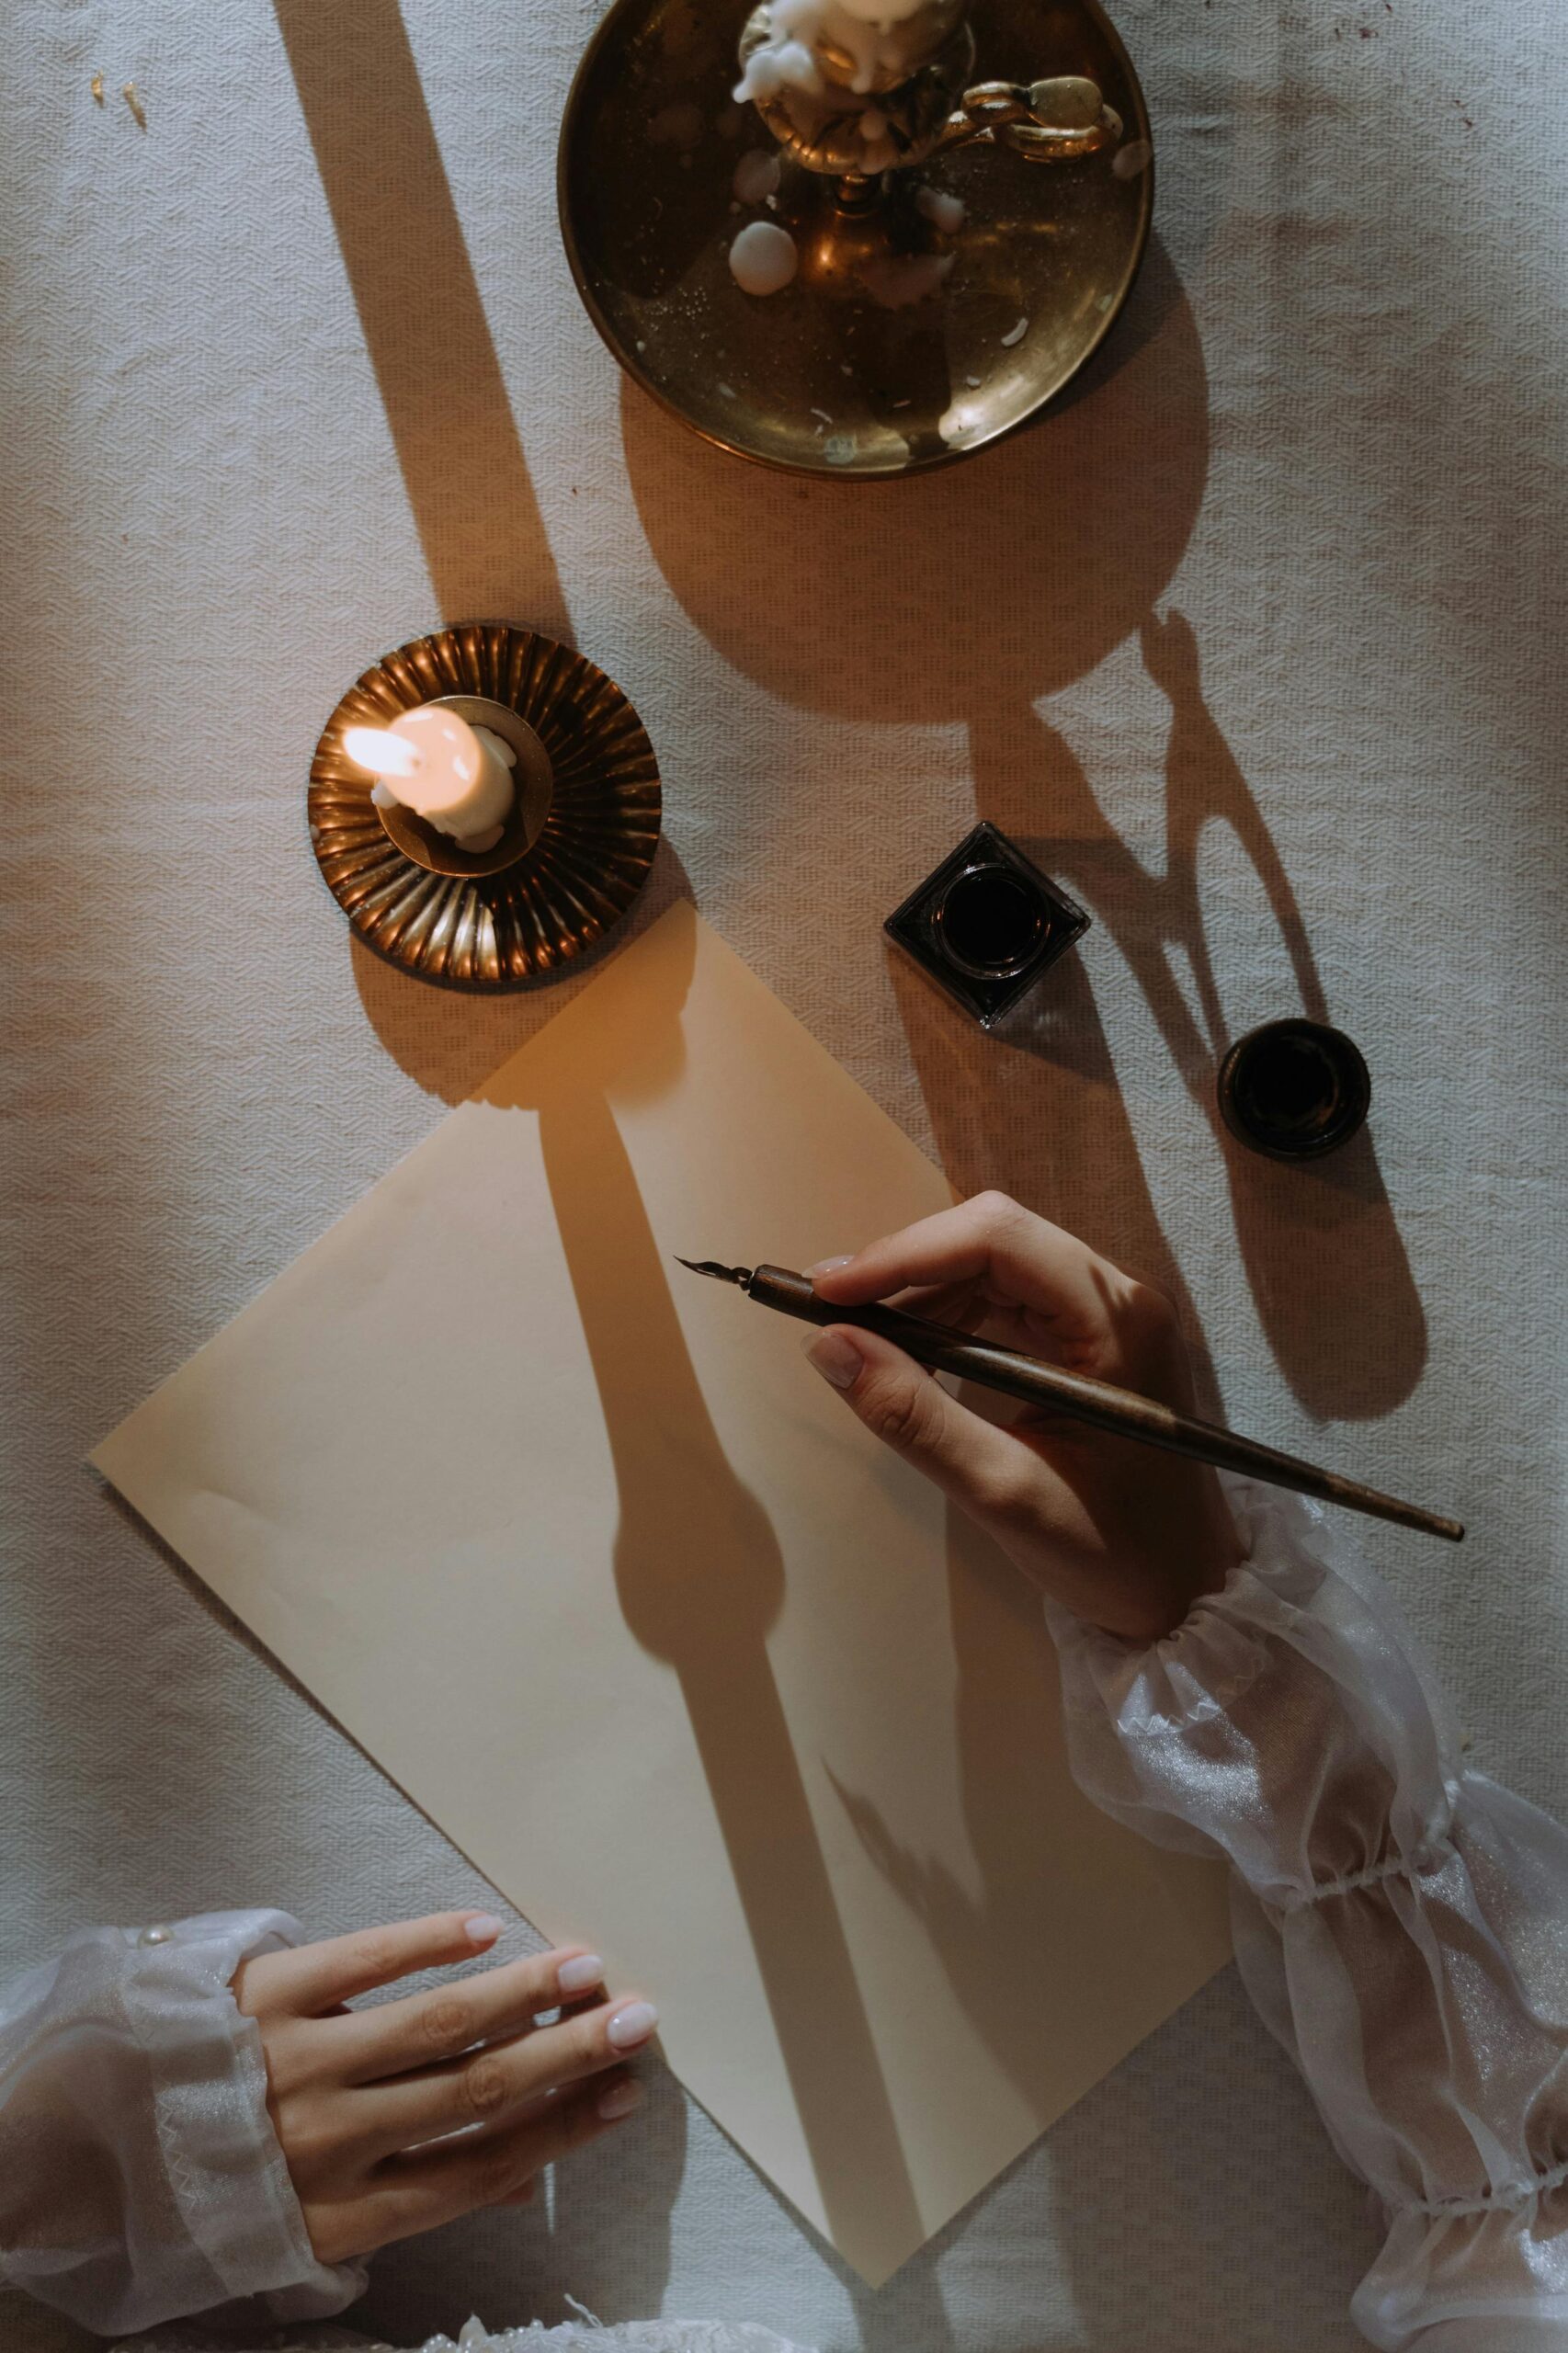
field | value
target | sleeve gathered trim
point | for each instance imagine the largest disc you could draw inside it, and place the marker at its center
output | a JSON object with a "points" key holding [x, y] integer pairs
{"points": [[1433, 1857], [1267, 1594], [1507, 2200]]}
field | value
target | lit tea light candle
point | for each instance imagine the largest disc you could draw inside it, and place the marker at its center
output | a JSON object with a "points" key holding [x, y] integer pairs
{"points": [[458, 778]]}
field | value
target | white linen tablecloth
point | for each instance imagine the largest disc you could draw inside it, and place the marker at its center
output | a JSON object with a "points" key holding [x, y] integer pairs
{"points": [[1258, 644]]}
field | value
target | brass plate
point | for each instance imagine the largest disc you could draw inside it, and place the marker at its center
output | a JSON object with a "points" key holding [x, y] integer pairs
{"points": [[810, 379], [592, 855]]}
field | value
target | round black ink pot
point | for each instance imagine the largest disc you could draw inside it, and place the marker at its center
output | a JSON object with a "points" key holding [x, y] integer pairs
{"points": [[1295, 1090]]}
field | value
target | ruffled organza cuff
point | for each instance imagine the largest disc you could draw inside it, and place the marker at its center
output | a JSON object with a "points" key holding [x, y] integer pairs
{"points": [[1287, 1723], [139, 2175], [1401, 1925]]}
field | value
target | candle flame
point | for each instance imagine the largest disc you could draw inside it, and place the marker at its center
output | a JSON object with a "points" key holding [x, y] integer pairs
{"points": [[377, 749]]}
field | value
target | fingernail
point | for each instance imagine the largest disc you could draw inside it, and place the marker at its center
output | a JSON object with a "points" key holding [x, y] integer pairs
{"points": [[583, 1971], [826, 1267], [482, 1928], [634, 2024], [621, 2100], [836, 1358]]}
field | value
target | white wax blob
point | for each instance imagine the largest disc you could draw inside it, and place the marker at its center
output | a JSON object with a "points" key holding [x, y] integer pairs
{"points": [[778, 65], [946, 214], [896, 280], [476, 844], [762, 258], [756, 175], [881, 12], [1135, 157], [1016, 333], [880, 37], [879, 148]]}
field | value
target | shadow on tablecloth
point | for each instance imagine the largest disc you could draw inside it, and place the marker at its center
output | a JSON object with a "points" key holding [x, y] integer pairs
{"points": [[1320, 1246], [962, 607], [414, 285], [956, 593]]}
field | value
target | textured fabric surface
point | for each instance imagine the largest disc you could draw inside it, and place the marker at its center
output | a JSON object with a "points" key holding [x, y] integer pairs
{"points": [[1256, 645], [1402, 1923]]}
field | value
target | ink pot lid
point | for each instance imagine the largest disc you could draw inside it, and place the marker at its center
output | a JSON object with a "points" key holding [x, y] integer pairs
{"points": [[1294, 1089]]}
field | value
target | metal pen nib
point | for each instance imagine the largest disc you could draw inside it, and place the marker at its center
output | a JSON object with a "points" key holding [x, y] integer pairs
{"points": [[740, 1275]]}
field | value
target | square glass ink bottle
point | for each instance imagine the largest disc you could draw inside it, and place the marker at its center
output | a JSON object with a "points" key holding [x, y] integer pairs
{"points": [[986, 924]]}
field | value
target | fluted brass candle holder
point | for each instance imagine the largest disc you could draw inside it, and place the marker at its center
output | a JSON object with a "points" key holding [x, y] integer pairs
{"points": [[578, 846], [945, 286]]}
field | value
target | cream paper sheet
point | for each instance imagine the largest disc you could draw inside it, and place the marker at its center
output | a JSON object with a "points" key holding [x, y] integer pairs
{"points": [[601, 1574]]}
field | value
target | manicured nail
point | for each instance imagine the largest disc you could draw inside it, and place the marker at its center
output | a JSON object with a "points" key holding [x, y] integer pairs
{"points": [[482, 1928], [632, 2025], [836, 1358], [582, 1972], [826, 1267], [621, 2100]]}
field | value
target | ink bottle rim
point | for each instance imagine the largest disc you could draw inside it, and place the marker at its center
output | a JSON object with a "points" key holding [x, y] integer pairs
{"points": [[1240, 1110], [1008, 967]]}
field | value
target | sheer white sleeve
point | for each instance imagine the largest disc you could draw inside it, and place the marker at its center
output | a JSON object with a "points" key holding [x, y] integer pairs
{"points": [[140, 2176], [1401, 1923], [585, 2336]]}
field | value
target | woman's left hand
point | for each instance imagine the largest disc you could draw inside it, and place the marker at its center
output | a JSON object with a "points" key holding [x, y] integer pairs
{"points": [[400, 2116]]}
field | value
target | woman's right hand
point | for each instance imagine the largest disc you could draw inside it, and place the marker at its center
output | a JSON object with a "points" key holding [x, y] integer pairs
{"points": [[406, 2114], [1125, 1535]]}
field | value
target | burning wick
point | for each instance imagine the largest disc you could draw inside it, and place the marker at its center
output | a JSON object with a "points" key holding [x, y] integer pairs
{"points": [[458, 778]]}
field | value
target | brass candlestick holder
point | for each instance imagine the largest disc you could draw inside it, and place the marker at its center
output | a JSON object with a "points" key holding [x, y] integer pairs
{"points": [[877, 110], [577, 847], [945, 286]]}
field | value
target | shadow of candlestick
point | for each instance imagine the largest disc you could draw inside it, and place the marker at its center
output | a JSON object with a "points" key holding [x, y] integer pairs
{"points": [[700, 1581], [440, 380], [982, 585], [1035, 1843], [448, 1040]]}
